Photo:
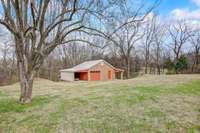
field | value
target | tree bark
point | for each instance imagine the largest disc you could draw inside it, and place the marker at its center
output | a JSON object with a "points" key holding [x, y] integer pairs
{"points": [[128, 67], [26, 83], [145, 70], [146, 61], [158, 69], [196, 59], [128, 70], [157, 61]]}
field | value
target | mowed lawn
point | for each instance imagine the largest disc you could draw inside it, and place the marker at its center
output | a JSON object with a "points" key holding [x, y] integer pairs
{"points": [[147, 104]]}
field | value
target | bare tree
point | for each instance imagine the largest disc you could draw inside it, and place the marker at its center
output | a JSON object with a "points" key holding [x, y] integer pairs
{"points": [[179, 34], [38, 31], [148, 39], [5, 51], [8, 63], [129, 33], [75, 53], [159, 40], [195, 41], [125, 41]]}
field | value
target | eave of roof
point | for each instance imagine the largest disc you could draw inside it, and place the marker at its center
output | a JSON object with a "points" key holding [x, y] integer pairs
{"points": [[85, 66]]}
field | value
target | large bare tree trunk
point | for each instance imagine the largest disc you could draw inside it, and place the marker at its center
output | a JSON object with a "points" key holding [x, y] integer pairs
{"points": [[26, 71], [26, 83]]}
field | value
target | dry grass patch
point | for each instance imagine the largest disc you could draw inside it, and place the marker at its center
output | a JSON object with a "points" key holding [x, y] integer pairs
{"points": [[167, 103]]}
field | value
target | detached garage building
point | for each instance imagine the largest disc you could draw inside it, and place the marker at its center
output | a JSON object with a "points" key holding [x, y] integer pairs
{"points": [[92, 71]]}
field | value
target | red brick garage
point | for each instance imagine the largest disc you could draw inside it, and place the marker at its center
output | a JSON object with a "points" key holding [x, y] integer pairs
{"points": [[92, 71]]}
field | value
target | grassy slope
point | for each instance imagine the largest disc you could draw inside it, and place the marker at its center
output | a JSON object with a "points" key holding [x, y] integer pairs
{"points": [[145, 104]]}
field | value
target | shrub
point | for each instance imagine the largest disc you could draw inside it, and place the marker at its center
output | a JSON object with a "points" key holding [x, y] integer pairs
{"points": [[181, 64]]}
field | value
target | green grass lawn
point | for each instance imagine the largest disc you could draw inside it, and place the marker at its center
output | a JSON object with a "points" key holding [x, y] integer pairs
{"points": [[169, 104]]}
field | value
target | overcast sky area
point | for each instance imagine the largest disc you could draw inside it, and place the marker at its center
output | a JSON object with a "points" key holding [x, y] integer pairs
{"points": [[167, 10]]}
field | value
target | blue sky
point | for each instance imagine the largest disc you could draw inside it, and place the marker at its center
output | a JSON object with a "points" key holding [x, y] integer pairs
{"points": [[167, 6], [179, 9]]}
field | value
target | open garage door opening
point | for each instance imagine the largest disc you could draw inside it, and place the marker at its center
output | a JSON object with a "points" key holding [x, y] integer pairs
{"points": [[81, 76]]}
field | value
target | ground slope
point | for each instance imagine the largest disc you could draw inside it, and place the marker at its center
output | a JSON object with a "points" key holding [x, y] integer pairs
{"points": [[144, 104]]}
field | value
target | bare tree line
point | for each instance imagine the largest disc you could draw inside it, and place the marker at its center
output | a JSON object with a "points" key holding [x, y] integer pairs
{"points": [[124, 53], [143, 49]]}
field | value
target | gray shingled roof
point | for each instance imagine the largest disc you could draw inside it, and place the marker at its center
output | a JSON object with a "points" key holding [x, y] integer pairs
{"points": [[84, 66]]}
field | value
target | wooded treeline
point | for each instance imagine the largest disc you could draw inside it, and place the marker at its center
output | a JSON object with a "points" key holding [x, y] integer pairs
{"points": [[155, 48]]}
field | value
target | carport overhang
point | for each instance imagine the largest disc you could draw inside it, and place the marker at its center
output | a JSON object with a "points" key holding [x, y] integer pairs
{"points": [[69, 75]]}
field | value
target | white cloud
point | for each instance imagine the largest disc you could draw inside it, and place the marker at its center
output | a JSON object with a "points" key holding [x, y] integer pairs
{"points": [[191, 17], [185, 14], [196, 2]]}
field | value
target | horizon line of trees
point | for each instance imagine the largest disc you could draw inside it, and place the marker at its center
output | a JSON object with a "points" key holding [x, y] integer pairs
{"points": [[159, 50]]}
